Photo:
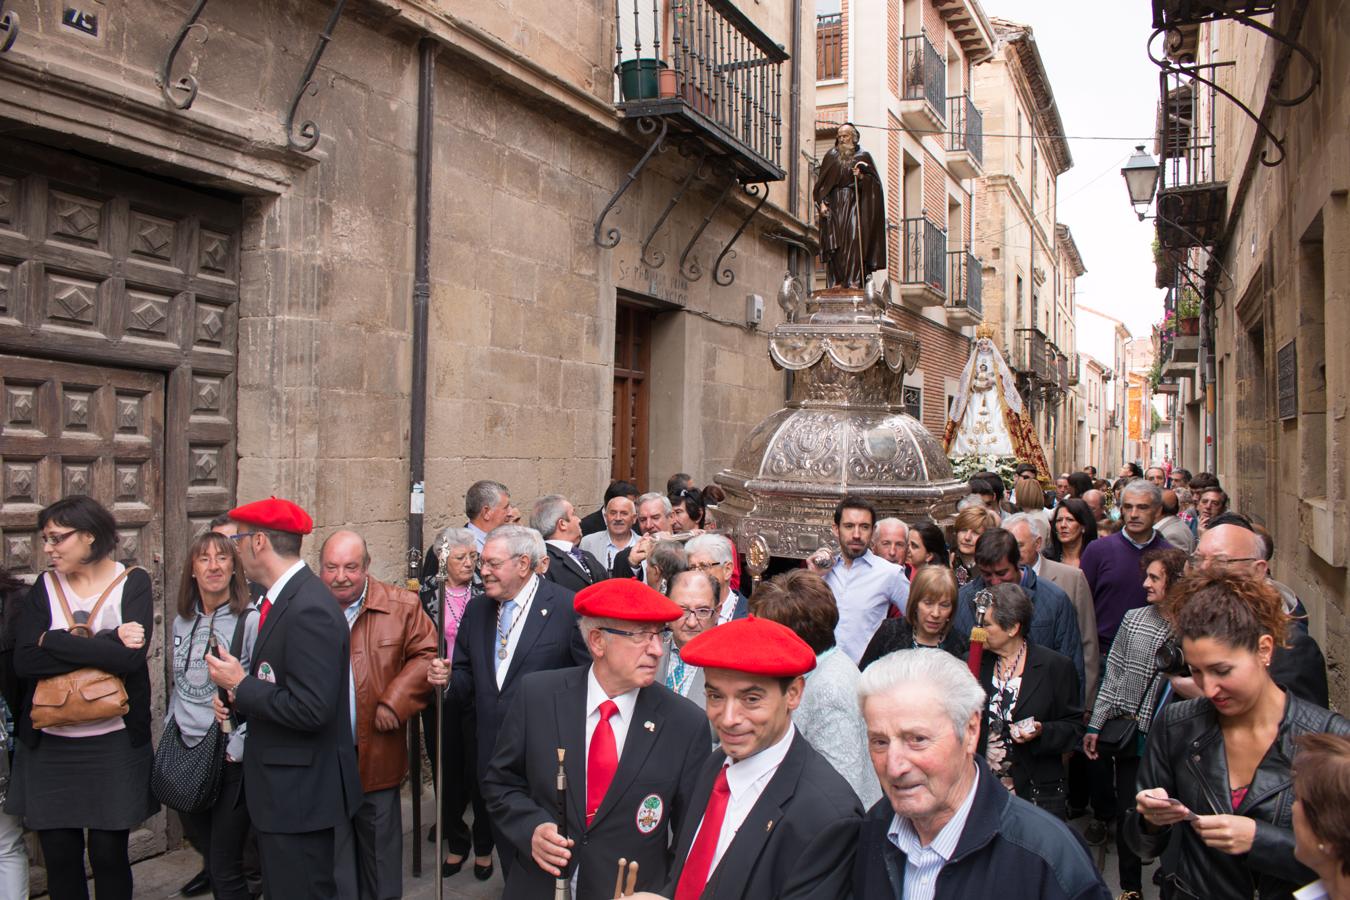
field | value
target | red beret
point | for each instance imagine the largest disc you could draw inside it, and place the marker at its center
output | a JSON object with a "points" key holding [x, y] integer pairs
{"points": [[627, 599], [751, 645], [274, 513]]}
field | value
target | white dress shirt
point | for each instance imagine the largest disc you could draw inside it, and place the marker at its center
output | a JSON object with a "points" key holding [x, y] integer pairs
{"points": [[602, 546], [524, 601], [746, 780], [862, 592], [922, 864], [275, 590], [619, 722]]}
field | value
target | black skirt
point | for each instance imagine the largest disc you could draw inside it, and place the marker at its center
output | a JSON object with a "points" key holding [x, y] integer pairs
{"points": [[92, 782]]}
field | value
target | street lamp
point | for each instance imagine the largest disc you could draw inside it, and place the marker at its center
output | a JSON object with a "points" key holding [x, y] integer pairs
{"points": [[1141, 180]]}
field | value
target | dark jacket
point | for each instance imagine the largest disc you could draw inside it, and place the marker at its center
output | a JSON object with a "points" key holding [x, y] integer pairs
{"points": [[566, 572], [1054, 623], [897, 634], [592, 523], [1185, 757], [797, 842], [62, 652], [1301, 667], [663, 754], [1049, 694], [1009, 850], [300, 769]]}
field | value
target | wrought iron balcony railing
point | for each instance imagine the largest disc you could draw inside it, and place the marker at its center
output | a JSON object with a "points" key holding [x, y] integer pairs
{"points": [[829, 47], [1191, 199], [965, 127], [924, 252], [1029, 354], [965, 281], [924, 75], [706, 64]]}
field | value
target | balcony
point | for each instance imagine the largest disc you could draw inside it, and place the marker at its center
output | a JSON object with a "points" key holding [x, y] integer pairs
{"points": [[705, 71], [965, 137], [829, 47], [923, 88], [1031, 355], [1191, 200], [1074, 373], [965, 283], [923, 262]]}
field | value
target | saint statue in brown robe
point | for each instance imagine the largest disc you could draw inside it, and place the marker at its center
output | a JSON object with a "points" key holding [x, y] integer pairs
{"points": [[852, 212]]}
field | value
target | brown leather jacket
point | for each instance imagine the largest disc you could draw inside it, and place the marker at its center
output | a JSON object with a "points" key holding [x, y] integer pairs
{"points": [[393, 643]]}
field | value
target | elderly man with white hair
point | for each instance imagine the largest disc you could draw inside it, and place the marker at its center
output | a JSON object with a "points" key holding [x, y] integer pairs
{"points": [[947, 828], [713, 553], [890, 540], [1033, 533]]}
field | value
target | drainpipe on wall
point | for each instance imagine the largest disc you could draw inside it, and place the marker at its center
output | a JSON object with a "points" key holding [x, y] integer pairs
{"points": [[417, 430], [794, 152]]}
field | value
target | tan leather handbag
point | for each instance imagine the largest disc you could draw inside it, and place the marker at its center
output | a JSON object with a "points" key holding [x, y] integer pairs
{"points": [[85, 695]]}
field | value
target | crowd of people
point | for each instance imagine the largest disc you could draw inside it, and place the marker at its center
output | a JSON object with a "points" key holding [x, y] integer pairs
{"points": [[912, 712]]}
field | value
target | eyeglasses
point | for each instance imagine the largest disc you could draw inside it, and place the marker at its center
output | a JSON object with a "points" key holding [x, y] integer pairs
{"points": [[705, 567], [703, 613], [492, 565], [243, 534], [1199, 562], [53, 540], [638, 637]]}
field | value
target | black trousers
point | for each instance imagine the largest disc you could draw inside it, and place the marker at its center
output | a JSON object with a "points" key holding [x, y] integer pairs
{"points": [[1131, 869], [218, 834], [63, 849], [460, 775], [297, 866]]}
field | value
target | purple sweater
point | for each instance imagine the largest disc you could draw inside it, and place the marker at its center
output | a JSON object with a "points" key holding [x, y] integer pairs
{"points": [[1111, 566]]}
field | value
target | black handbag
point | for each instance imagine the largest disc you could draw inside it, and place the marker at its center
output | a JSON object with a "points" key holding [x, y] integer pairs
{"points": [[1120, 734], [188, 778]]}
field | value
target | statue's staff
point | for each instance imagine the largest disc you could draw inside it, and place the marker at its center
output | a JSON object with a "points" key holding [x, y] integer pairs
{"points": [[857, 213]]}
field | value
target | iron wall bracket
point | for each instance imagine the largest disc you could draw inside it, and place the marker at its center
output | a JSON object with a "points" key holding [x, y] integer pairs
{"points": [[725, 277], [308, 131], [656, 259], [645, 125], [188, 83], [690, 269], [9, 28]]}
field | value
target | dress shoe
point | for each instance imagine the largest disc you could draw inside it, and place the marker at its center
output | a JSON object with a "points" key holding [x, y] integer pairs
{"points": [[482, 873], [200, 884], [451, 868]]}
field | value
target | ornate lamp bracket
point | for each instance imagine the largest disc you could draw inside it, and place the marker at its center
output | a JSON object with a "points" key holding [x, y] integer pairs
{"points": [[725, 277], [690, 269], [1314, 65], [308, 131], [645, 125], [188, 83], [9, 28], [656, 259]]}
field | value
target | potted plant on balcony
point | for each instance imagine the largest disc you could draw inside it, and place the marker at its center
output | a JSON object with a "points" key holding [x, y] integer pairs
{"points": [[1188, 312]]}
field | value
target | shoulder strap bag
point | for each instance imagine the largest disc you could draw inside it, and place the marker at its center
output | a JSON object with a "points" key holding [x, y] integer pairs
{"points": [[84, 695], [188, 778], [1120, 734]]}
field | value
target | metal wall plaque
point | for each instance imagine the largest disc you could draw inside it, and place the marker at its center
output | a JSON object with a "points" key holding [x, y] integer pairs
{"points": [[1286, 365]]}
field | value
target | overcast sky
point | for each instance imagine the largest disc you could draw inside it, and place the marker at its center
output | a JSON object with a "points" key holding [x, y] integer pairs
{"points": [[1104, 84]]}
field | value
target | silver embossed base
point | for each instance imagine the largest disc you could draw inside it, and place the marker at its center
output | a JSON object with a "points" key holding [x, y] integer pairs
{"points": [[843, 431]]}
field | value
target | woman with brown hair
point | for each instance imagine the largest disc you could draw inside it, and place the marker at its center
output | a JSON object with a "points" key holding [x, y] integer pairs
{"points": [[213, 601], [927, 621], [1029, 497], [1322, 814], [971, 522], [1216, 792]]}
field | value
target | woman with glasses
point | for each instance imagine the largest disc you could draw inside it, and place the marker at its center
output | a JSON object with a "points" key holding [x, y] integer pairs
{"points": [[213, 600], [1215, 799], [458, 737], [1073, 528], [94, 776], [828, 716], [927, 622], [1034, 715]]}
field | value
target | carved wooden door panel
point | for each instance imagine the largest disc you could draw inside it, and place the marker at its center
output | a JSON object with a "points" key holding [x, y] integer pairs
{"points": [[69, 429], [632, 361]]}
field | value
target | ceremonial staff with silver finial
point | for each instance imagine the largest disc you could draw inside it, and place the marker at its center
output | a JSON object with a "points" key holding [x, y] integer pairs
{"points": [[562, 885], [442, 578]]}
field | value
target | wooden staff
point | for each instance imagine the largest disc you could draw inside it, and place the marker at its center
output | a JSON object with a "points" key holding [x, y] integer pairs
{"points": [[857, 211]]}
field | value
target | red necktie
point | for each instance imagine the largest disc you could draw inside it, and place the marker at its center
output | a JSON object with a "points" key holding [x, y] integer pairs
{"points": [[263, 611], [601, 761], [698, 865]]}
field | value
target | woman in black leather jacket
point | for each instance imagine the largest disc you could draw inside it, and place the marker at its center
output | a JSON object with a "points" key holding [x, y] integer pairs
{"points": [[1217, 799]]}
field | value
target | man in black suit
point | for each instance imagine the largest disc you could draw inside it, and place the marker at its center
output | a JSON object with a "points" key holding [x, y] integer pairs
{"points": [[633, 749], [653, 521], [520, 624], [595, 522], [771, 817], [295, 700], [568, 565]]}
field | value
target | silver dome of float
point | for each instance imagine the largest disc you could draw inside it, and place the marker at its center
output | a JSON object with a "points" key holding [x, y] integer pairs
{"points": [[843, 431]]}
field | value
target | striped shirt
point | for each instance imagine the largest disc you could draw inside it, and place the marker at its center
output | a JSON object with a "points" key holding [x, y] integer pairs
{"points": [[1130, 670], [922, 864]]}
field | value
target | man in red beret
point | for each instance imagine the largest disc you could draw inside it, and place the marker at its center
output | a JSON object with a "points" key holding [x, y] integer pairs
{"points": [[300, 775], [771, 816], [632, 751]]}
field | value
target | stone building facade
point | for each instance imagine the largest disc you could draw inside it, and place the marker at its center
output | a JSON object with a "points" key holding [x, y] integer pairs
{"points": [[1030, 261], [198, 308], [1274, 294], [902, 72]]}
